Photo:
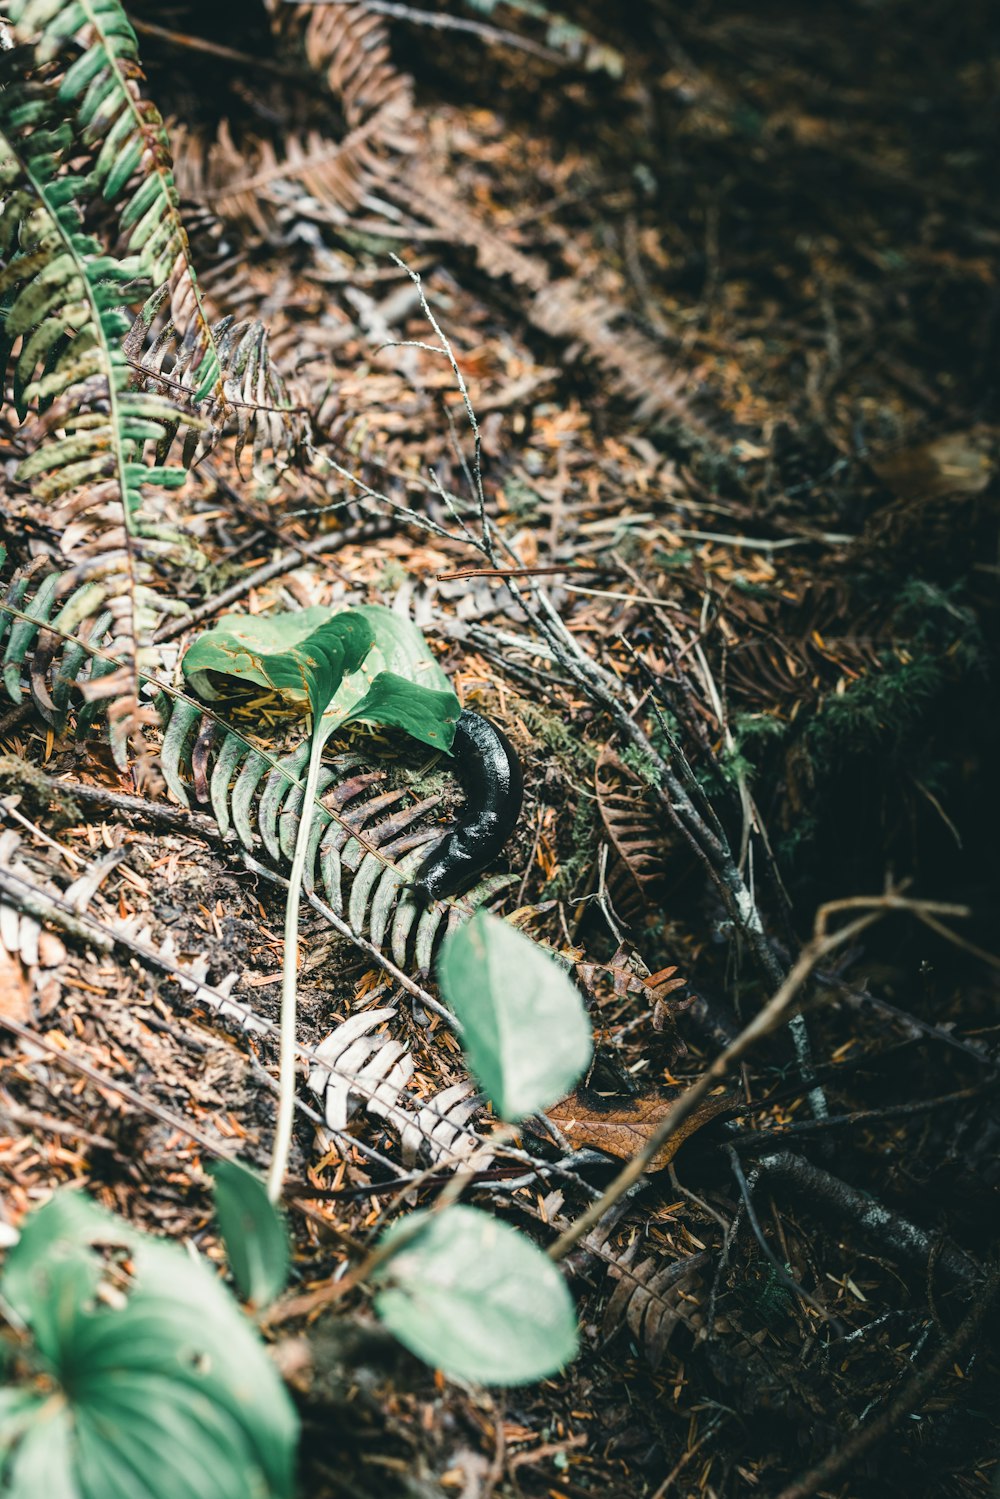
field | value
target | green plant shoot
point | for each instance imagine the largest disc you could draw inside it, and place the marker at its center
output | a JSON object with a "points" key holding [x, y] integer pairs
{"points": [[366, 664]]}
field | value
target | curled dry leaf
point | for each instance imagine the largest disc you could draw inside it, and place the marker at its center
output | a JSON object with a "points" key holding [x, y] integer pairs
{"points": [[622, 1130], [15, 987], [625, 978]]}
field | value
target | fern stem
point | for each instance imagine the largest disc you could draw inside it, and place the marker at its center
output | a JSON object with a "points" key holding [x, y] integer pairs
{"points": [[289, 978], [169, 261]]}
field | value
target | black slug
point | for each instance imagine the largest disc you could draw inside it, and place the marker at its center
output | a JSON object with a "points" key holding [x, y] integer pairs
{"points": [[490, 774]]}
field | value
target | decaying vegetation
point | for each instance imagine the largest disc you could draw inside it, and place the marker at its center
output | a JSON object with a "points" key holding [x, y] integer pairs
{"points": [[647, 361]]}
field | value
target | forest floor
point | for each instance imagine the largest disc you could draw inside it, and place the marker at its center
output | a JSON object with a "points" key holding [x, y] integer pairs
{"points": [[722, 283]]}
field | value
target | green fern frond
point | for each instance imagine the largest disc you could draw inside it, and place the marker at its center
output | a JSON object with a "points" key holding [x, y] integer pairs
{"points": [[92, 408], [63, 299], [67, 302], [133, 170], [134, 167]]}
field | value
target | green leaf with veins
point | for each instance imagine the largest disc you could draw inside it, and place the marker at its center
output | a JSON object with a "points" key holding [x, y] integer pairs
{"points": [[474, 1297], [161, 1386], [254, 1233], [366, 664], [525, 1031]]}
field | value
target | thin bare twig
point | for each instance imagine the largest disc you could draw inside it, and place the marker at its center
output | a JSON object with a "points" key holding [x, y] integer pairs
{"points": [[864, 1437], [442, 22], [330, 542], [214, 49], [102, 1080], [570, 569], [746, 1192], [164, 813], [774, 1014]]}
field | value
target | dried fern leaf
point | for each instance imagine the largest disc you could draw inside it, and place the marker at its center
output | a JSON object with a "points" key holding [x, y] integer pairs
{"points": [[652, 1299], [268, 187], [634, 365], [373, 1069], [349, 46], [635, 834], [250, 395], [311, 176]]}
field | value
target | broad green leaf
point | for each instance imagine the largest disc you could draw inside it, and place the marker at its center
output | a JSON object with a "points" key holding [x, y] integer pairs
{"points": [[163, 1388], [254, 1232], [525, 1031], [365, 664], [20, 1408], [472, 1296], [303, 655], [404, 648], [43, 1461]]}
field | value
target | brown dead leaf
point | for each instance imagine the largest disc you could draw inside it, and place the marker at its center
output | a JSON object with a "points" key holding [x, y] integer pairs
{"points": [[15, 988], [959, 463], [51, 950], [626, 980], [663, 983], [624, 1129]]}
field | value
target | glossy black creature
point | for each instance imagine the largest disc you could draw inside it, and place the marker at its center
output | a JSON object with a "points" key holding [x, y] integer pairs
{"points": [[490, 775]]}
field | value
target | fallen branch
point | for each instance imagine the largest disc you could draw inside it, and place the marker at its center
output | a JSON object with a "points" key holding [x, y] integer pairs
{"points": [[775, 1013], [886, 1230]]}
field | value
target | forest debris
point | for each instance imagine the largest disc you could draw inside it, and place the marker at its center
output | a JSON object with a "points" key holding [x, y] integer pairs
{"points": [[627, 1126], [15, 985], [959, 463]]}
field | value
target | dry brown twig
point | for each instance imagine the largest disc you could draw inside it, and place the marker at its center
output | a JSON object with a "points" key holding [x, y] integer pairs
{"points": [[443, 22], [145, 1105], [775, 1013]]}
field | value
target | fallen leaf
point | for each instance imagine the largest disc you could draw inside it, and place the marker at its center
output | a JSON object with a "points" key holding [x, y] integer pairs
{"points": [[959, 463], [663, 983], [15, 988], [624, 1129], [51, 950]]}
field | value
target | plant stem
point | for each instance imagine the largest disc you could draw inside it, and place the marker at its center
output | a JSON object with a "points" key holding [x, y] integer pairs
{"points": [[289, 977]]}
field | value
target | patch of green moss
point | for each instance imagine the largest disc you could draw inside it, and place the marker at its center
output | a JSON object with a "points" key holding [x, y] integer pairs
{"points": [[582, 840], [576, 756], [392, 576]]}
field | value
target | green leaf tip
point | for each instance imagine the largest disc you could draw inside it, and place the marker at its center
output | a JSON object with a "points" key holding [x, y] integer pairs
{"points": [[254, 1232]]}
